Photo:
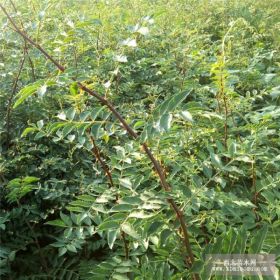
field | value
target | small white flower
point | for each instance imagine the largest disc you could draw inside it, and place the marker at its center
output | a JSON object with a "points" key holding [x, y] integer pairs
{"points": [[71, 137], [42, 90], [149, 20], [130, 43], [135, 28], [116, 71], [107, 84], [143, 30], [121, 58], [187, 116], [70, 23], [62, 116]]}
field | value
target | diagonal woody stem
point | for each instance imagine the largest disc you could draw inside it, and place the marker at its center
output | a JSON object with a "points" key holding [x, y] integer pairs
{"points": [[165, 185], [96, 152]]}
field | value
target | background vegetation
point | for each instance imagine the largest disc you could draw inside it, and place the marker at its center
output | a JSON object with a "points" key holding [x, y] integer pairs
{"points": [[197, 80]]}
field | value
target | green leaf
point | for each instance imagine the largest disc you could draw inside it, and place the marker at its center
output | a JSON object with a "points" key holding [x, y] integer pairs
{"points": [[216, 160], [71, 248], [25, 93], [125, 182], [12, 256], [275, 92], [39, 135], [139, 124], [55, 126], [128, 229], [81, 203], [122, 208], [66, 219], [120, 277], [241, 241], [207, 171], [232, 148], [123, 269], [96, 112], [62, 251], [140, 214], [176, 100], [186, 116], [74, 88], [67, 129], [31, 89], [258, 240], [40, 124], [70, 114], [86, 197], [111, 237], [99, 208], [133, 200], [170, 104], [154, 227], [58, 223], [165, 122], [108, 225], [96, 130], [116, 217], [28, 130], [229, 241], [161, 115], [30, 179]]}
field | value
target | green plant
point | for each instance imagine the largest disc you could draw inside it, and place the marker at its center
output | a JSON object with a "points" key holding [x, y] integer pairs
{"points": [[195, 88]]}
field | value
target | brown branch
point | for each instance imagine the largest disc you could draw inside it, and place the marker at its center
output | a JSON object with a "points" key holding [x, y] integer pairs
{"points": [[25, 36], [32, 67], [186, 239], [108, 173], [126, 249], [25, 43], [129, 130], [104, 166]]}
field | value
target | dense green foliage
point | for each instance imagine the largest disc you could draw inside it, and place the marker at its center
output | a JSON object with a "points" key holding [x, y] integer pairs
{"points": [[197, 80]]}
